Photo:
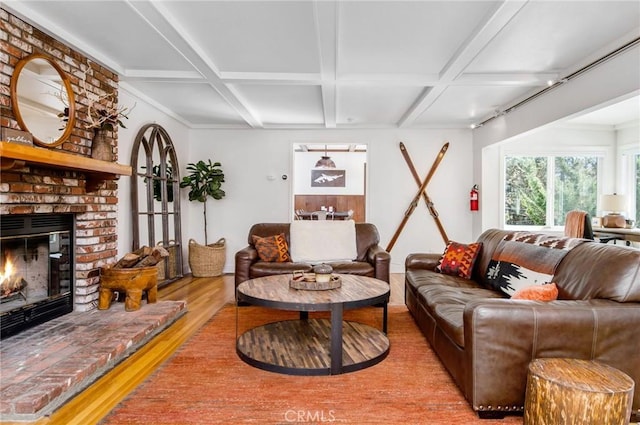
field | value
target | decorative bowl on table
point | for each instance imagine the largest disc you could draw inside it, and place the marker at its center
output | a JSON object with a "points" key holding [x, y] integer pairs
{"points": [[323, 272], [321, 279]]}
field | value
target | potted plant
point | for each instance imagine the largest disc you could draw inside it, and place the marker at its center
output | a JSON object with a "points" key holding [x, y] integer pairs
{"points": [[205, 180], [157, 184]]}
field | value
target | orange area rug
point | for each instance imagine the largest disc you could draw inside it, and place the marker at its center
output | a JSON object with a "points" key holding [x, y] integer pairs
{"points": [[206, 383]]}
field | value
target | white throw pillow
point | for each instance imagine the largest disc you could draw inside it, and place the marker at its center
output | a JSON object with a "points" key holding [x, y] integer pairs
{"points": [[322, 241]]}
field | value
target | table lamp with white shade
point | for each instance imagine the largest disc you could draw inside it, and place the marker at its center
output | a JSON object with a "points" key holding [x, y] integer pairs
{"points": [[615, 204]]}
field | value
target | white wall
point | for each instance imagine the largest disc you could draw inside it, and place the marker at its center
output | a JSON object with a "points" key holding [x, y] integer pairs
{"points": [[628, 136], [628, 146], [143, 114], [249, 157]]}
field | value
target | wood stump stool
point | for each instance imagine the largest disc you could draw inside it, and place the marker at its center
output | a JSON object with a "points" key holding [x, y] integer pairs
{"points": [[133, 282], [573, 391]]}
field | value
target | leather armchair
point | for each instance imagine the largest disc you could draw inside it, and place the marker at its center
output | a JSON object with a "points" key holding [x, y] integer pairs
{"points": [[372, 260]]}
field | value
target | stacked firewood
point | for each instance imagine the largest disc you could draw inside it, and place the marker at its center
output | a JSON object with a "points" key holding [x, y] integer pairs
{"points": [[142, 257]]}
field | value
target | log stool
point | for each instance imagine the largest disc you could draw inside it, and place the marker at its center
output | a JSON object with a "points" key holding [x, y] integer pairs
{"points": [[131, 281], [573, 391]]}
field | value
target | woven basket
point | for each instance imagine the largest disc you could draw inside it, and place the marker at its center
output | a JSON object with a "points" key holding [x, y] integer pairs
{"points": [[207, 260]]}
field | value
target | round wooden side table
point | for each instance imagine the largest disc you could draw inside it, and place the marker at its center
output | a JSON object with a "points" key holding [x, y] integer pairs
{"points": [[314, 346], [573, 391]]}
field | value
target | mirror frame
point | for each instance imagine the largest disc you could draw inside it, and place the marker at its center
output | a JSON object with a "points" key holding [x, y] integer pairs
{"points": [[67, 85]]}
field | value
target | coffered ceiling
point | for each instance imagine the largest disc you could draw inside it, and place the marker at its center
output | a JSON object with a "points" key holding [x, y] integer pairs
{"points": [[337, 64]]}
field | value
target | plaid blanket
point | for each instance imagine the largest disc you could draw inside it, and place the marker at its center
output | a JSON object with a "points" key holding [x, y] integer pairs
{"points": [[524, 259]]}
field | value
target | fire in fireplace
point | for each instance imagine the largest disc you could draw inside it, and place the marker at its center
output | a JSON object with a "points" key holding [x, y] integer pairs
{"points": [[36, 269], [12, 283]]}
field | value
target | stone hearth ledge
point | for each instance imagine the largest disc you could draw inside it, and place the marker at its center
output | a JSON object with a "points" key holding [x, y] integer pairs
{"points": [[45, 366]]}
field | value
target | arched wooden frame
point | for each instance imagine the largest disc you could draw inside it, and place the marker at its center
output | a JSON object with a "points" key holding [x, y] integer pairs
{"points": [[150, 139], [13, 87]]}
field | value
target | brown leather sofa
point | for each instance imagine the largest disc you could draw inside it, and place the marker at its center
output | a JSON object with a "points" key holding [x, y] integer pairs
{"points": [[372, 261], [486, 340]]}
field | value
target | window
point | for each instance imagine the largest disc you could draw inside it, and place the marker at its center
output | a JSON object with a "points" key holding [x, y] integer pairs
{"points": [[630, 181], [525, 190], [637, 191], [540, 190]]}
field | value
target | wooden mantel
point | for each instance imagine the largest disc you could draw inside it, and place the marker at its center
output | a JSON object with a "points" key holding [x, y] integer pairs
{"points": [[15, 155]]}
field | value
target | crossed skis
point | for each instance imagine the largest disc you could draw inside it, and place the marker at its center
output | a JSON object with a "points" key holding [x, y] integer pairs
{"points": [[421, 193]]}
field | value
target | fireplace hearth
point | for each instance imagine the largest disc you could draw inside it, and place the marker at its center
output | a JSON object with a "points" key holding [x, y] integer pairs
{"points": [[36, 269]]}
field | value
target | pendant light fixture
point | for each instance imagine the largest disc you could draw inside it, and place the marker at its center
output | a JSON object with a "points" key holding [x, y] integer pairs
{"points": [[325, 161]]}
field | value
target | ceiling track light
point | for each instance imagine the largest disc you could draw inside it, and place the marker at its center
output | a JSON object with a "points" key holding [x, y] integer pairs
{"points": [[557, 83]]}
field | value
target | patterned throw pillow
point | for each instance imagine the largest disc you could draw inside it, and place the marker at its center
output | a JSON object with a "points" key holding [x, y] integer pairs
{"points": [[458, 259], [544, 292], [523, 259], [272, 249]]}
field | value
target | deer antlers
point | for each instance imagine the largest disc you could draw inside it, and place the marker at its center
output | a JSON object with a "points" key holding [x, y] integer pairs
{"points": [[101, 116]]}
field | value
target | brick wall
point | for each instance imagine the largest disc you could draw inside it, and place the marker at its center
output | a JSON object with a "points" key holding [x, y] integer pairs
{"points": [[42, 190]]}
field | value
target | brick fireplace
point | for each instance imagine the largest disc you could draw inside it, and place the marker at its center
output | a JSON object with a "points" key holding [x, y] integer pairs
{"points": [[41, 188]]}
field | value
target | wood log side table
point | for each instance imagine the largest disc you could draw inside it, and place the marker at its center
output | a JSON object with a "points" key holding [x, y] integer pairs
{"points": [[574, 391]]}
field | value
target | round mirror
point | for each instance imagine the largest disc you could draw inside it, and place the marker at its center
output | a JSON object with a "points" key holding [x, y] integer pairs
{"points": [[43, 101]]}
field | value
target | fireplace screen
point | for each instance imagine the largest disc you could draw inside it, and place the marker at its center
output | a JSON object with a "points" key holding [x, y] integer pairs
{"points": [[36, 270]]}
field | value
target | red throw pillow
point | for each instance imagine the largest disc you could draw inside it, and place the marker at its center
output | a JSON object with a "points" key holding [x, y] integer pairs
{"points": [[544, 292], [272, 249], [458, 259]]}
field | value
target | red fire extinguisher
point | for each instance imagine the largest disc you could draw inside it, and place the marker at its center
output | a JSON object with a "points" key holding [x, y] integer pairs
{"points": [[473, 203]]}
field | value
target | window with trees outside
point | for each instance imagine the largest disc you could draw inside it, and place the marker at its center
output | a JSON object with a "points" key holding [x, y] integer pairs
{"points": [[541, 190]]}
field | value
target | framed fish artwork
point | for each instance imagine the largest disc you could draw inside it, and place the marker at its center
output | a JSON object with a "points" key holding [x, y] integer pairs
{"points": [[328, 178]]}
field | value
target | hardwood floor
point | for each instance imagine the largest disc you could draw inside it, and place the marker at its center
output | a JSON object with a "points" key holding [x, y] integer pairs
{"points": [[204, 296]]}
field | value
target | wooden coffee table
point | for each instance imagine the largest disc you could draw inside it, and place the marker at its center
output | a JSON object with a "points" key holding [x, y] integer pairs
{"points": [[314, 346]]}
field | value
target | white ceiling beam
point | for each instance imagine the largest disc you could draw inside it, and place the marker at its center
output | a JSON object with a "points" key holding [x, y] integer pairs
{"points": [[155, 74], [429, 80], [506, 79], [160, 19], [390, 79], [285, 126], [396, 80], [219, 126], [464, 56], [329, 107], [326, 18], [271, 78]]}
